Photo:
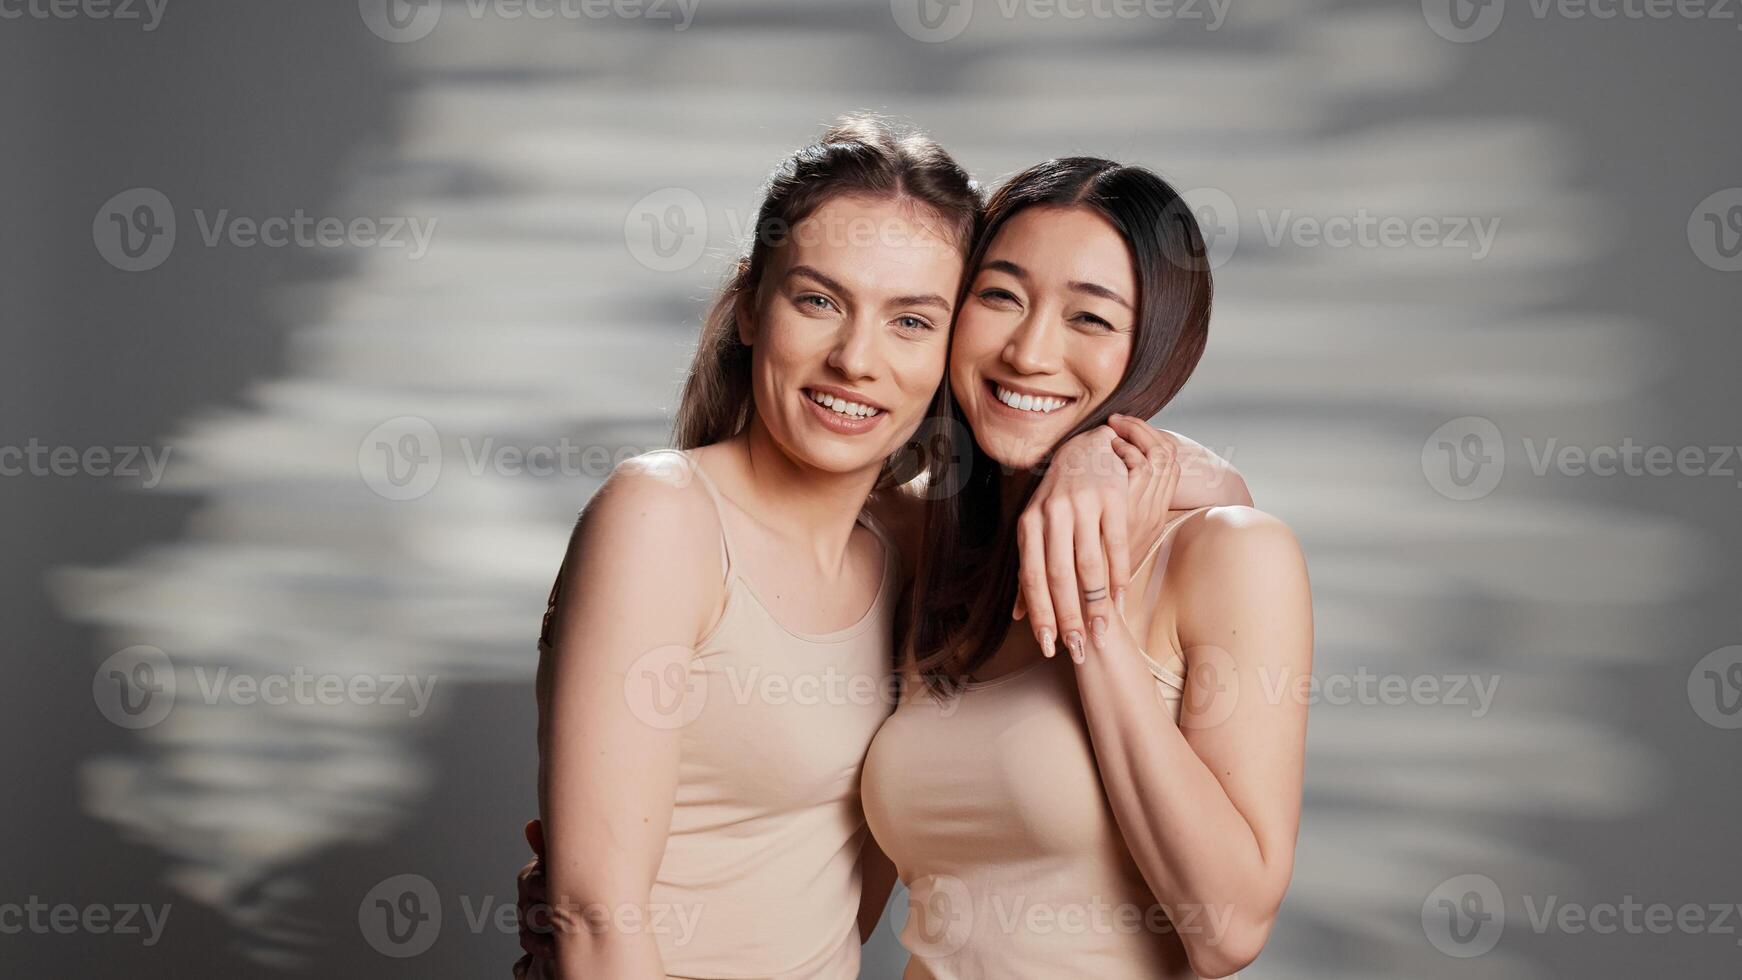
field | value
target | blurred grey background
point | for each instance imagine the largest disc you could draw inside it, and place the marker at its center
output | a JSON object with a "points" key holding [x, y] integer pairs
{"points": [[1469, 257]]}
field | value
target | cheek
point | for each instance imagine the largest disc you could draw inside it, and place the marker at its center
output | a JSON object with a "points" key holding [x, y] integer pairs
{"points": [[1101, 368], [975, 336]]}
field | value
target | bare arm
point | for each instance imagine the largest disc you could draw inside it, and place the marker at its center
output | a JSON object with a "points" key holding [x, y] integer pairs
{"points": [[1103, 494], [641, 579], [1210, 806]]}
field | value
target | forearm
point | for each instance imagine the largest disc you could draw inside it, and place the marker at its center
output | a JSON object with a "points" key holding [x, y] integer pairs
{"points": [[1199, 855], [602, 939]]}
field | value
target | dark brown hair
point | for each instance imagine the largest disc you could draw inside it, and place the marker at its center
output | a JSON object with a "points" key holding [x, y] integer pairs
{"points": [[961, 599], [860, 154]]}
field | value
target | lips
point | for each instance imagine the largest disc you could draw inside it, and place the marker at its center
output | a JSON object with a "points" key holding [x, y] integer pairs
{"points": [[841, 414], [1027, 403]]}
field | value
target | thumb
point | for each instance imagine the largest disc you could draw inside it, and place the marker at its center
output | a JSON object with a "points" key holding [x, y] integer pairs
{"points": [[535, 836]]}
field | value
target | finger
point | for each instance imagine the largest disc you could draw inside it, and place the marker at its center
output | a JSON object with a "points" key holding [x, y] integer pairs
{"points": [[1130, 455], [1092, 574], [1161, 462], [1116, 532], [1020, 609], [1061, 574], [1139, 432], [523, 967], [534, 831], [1031, 575]]}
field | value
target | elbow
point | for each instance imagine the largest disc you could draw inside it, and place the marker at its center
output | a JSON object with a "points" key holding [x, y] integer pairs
{"points": [[1230, 945]]}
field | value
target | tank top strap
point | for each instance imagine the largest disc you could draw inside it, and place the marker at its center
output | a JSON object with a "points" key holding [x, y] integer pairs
{"points": [[1152, 592], [719, 501]]}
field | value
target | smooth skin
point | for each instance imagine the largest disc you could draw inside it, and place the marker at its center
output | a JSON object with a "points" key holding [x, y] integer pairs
{"points": [[1208, 805], [869, 320]]}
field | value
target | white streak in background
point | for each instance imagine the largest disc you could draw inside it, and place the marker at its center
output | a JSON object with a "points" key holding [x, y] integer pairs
{"points": [[530, 321]]}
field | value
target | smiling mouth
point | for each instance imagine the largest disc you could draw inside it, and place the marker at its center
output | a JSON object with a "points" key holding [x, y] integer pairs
{"points": [[1033, 404], [841, 406]]}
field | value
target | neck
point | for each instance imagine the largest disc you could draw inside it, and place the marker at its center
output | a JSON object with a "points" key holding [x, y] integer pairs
{"points": [[813, 505]]}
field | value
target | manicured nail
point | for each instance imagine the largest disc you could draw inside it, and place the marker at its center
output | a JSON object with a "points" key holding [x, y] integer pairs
{"points": [[1074, 640], [1098, 630], [1046, 641]]}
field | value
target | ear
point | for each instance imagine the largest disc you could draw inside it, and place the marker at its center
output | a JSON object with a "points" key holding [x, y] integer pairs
{"points": [[744, 314]]}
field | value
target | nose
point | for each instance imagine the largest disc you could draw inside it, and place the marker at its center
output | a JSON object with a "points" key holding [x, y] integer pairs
{"points": [[1036, 347], [855, 354]]}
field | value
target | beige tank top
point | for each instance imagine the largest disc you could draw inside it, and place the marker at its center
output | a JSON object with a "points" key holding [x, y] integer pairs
{"points": [[991, 806], [760, 875]]}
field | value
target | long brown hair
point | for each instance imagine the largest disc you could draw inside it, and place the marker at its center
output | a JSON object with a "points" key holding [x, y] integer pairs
{"points": [[967, 581], [860, 154]]}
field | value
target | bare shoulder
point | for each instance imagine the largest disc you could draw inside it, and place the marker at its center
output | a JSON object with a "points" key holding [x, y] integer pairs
{"points": [[1232, 562], [651, 506]]}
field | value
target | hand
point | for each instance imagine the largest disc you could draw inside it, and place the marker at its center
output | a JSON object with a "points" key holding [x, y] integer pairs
{"points": [[1073, 543], [533, 906]]}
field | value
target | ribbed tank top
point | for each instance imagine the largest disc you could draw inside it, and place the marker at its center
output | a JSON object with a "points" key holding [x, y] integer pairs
{"points": [[762, 856], [991, 806]]}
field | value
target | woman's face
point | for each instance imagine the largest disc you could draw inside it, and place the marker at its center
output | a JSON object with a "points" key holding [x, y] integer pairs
{"points": [[850, 330], [1045, 332]]}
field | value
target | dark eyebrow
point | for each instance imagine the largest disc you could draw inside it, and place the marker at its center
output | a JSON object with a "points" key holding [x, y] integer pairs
{"points": [[1096, 289], [921, 299], [1093, 289]]}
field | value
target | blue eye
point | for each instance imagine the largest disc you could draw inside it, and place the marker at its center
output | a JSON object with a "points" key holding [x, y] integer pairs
{"points": [[913, 323], [816, 302]]}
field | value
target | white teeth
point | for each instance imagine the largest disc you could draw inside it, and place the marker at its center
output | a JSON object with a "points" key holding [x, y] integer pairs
{"points": [[1029, 403], [841, 406]]}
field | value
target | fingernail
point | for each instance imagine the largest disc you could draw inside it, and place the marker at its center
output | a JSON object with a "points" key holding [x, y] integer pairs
{"points": [[1046, 641], [1074, 640], [1098, 630]]}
